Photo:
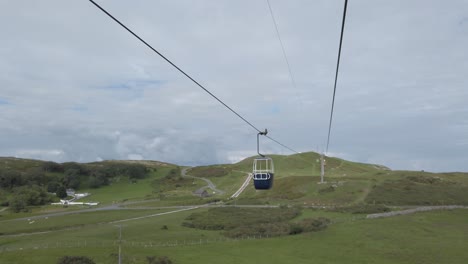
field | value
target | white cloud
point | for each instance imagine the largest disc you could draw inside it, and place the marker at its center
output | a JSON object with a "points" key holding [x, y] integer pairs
{"points": [[135, 157], [44, 154], [75, 81]]}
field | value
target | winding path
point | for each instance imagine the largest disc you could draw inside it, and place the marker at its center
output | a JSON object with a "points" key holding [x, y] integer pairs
{"points": [[210, 183]]}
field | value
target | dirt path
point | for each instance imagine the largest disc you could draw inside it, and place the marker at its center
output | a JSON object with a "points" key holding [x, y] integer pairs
{"points": [[210, 183], [153, 215], [415, 210]]}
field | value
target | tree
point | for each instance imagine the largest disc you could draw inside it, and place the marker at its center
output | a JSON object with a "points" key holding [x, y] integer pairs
{"points": [[81, 169], [136, 171], [72, 178], [17, 203], [75, 260], [50, 166], [28, 195], [53, 186], [61, 192], [35, 176], [10, 179]]}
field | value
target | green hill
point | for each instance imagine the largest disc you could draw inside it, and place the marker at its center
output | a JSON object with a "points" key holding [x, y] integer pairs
{"points": [[296, 221], [297, 180], [348, 183]]}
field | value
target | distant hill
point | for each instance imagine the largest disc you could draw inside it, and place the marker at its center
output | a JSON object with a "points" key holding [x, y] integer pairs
{"points": [[297, 180], [26, 182]]}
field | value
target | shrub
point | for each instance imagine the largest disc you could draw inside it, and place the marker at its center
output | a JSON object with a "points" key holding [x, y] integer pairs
{"points": [[158, 260], [295, 229], [61, 192], [362, 209], [241, 222], [75, 260], [326, 190]]}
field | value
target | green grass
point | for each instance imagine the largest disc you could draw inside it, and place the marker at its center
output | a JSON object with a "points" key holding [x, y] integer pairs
{"points": [[70, 220], [419, 190], [38, 210], [429, 237], [19, 164], [125, 190]]}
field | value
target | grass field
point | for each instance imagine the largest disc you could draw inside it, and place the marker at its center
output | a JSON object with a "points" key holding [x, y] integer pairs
{"points": [[430, 237], [427, 237]]}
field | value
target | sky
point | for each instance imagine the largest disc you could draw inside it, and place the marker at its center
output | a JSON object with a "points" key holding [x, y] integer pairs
{"points": [[75, 86]]}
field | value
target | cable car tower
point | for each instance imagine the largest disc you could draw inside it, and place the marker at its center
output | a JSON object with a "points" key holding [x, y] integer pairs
{"points": [[263, 168]]}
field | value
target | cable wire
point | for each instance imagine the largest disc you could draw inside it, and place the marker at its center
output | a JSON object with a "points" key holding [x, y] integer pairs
{"points": [[281, 144], [282, 46], [336, 73], [188, 76], [175, 66]]}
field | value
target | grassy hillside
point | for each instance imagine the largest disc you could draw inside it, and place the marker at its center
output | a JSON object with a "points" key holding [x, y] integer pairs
{"points": [[155, 224], [430, 237], [296, 182]]}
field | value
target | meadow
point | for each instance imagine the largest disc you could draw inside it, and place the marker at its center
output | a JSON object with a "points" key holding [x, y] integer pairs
{"points": [[160, 216], [429, 237]]}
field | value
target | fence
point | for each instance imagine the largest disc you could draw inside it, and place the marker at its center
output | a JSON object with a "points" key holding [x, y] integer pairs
{"points": [[115, 243]]}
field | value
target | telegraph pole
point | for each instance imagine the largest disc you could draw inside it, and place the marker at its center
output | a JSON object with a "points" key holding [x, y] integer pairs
{"points": [[120, 243], [322, 168]]}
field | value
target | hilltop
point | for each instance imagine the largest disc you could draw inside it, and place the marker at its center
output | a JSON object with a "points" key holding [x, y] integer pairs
{"points": [[297, 180], [161, 212], [347, 183]]}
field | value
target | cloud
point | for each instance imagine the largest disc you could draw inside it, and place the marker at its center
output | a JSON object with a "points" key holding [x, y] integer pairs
{"points": [[44, 154], [72, 80]]}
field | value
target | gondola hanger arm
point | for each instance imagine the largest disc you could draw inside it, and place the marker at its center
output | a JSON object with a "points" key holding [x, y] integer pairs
{"points": [[258, 140]]}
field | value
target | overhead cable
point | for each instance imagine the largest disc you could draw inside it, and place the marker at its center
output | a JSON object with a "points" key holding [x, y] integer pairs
{"points": [[336, 73], [281, 144], [175, 66], [183, 72], [282, 46]]}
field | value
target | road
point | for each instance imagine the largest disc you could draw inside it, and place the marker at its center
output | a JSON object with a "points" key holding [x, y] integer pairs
{"points": [[210, 183]]}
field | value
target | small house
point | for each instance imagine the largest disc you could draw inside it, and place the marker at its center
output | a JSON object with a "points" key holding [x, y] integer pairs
{"points": [[201, 193]]}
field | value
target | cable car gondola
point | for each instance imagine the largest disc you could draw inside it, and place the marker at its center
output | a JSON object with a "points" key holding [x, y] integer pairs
{"points": [[263, 169]]}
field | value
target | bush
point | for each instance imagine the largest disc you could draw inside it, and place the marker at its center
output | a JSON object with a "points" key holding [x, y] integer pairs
{"points": [[417, 190], [241, 222], [362, 209], [158, 260], [314, 224], [50, 166], [53, 186], [61, 192], [17, 204], [28, 195], [75, 260], [226, 218], [173, 174], [326, 190], [295, 229]]}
